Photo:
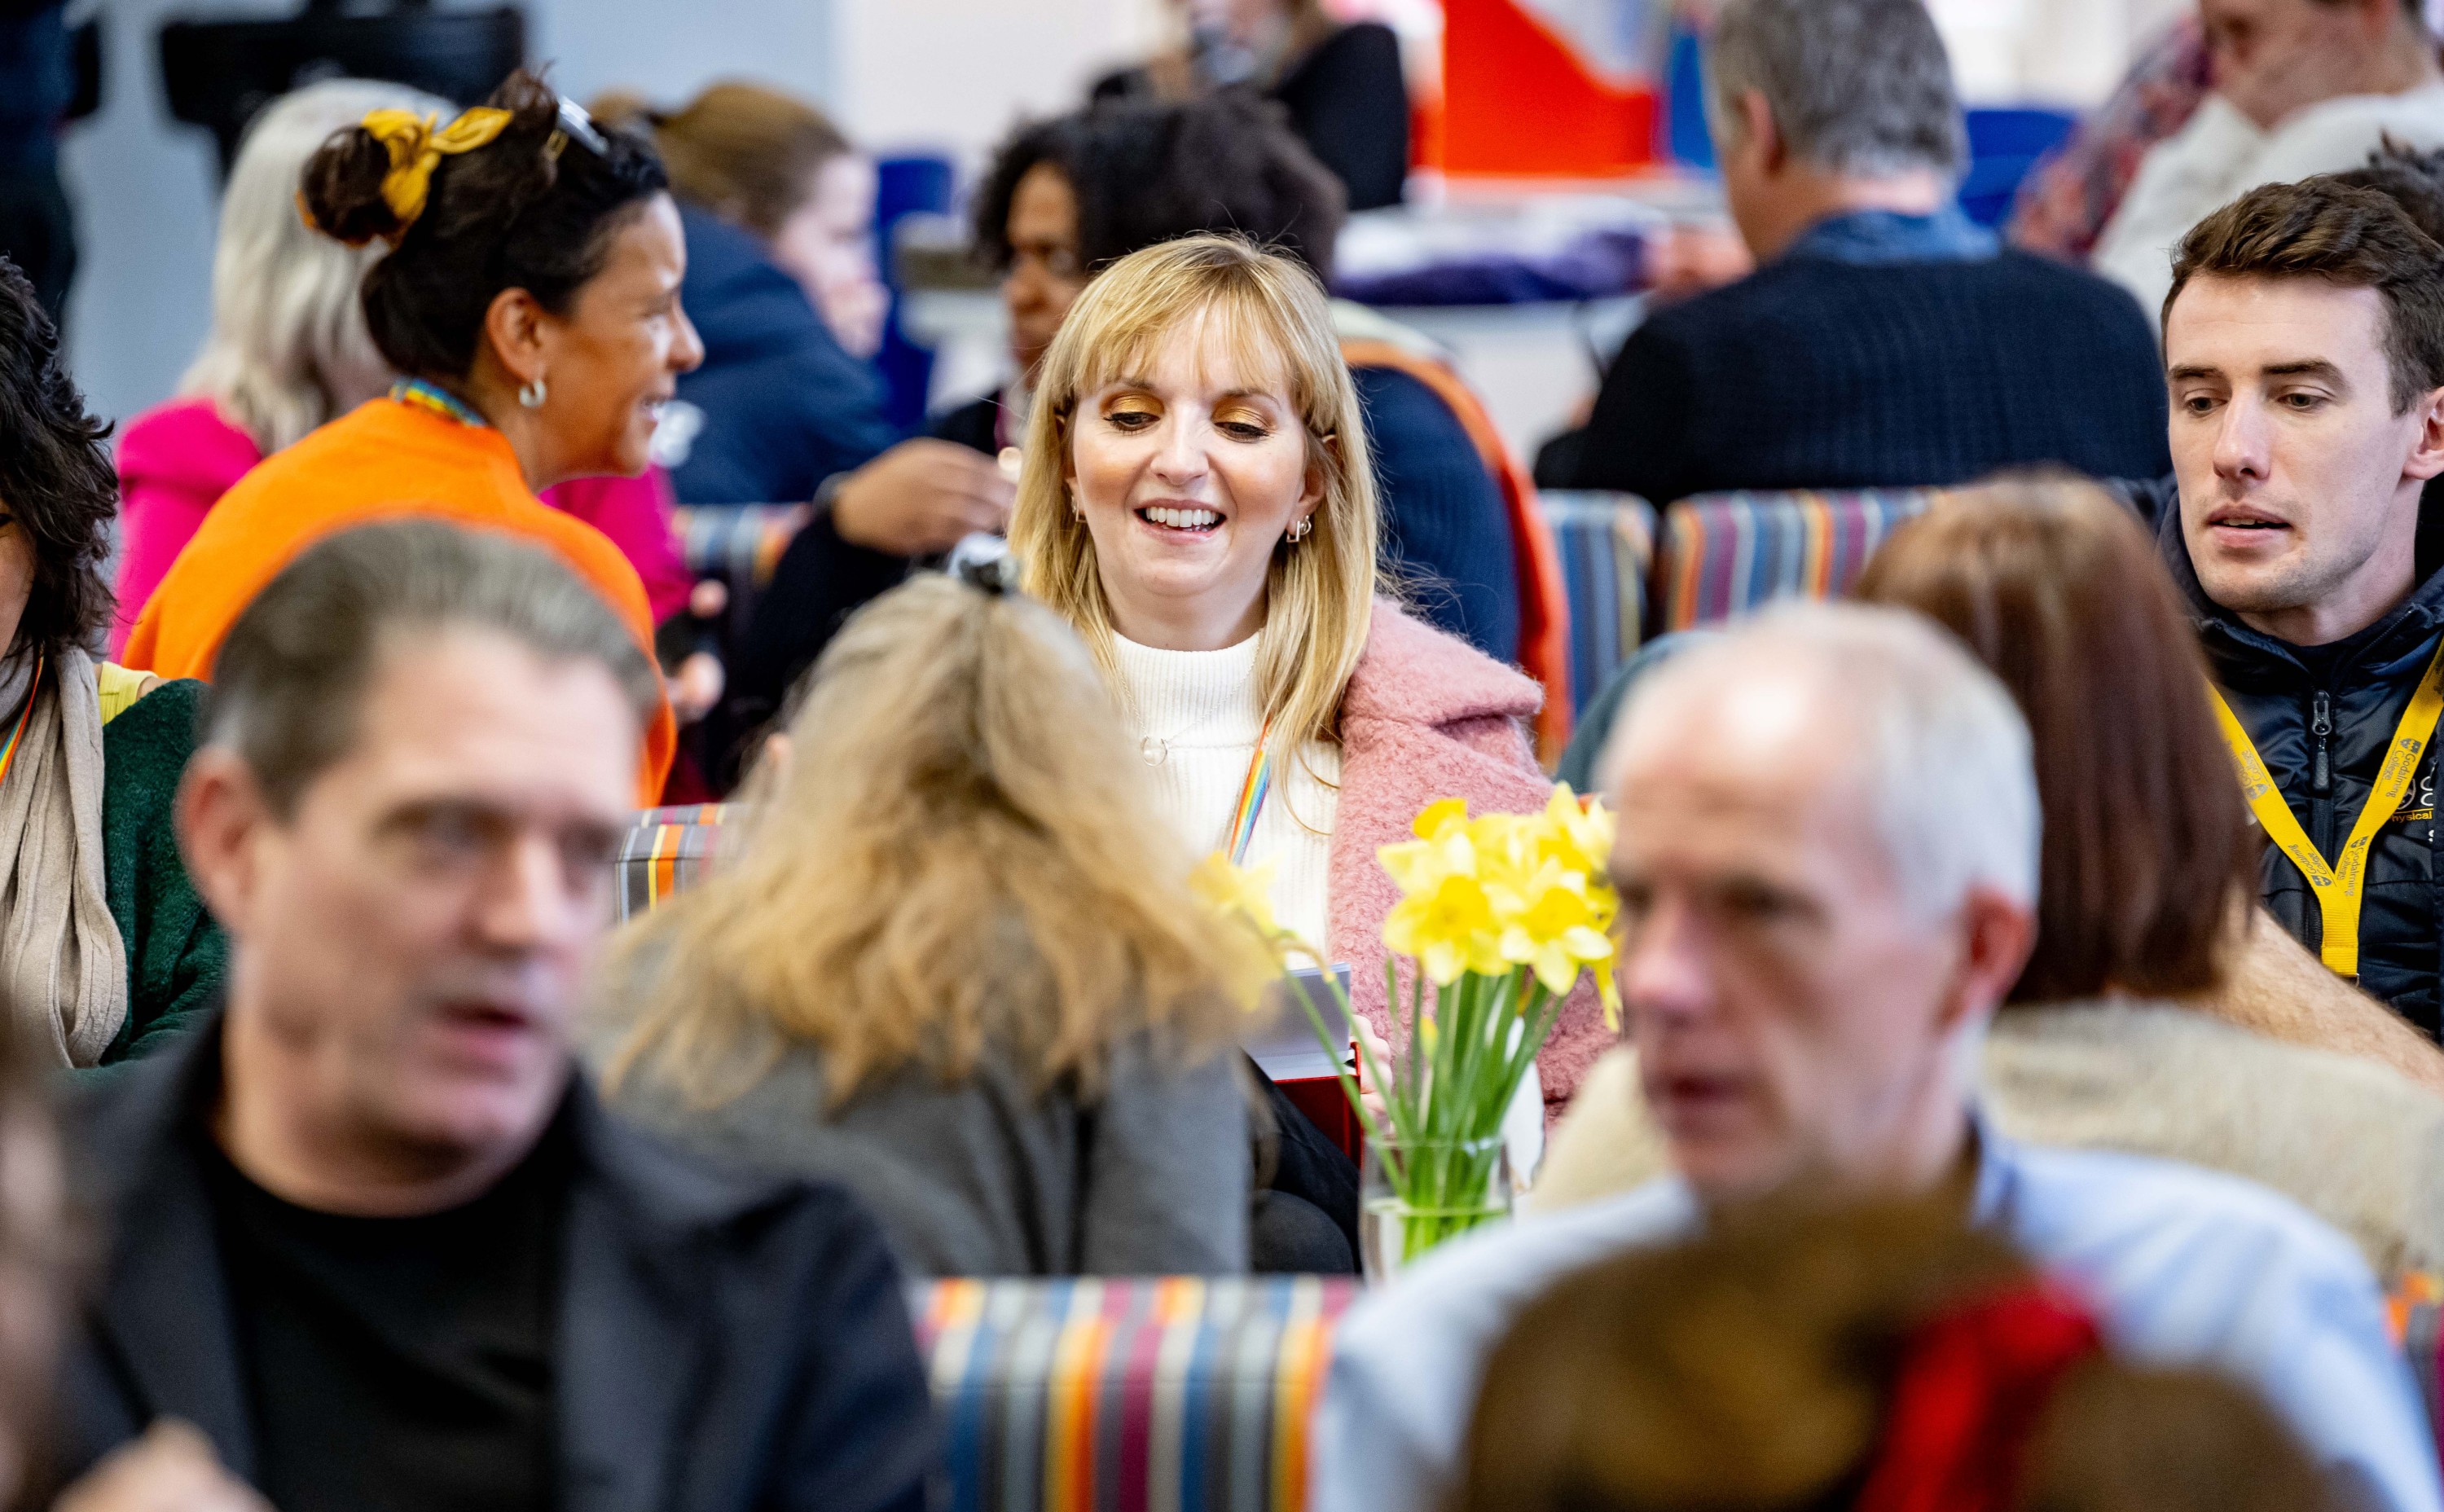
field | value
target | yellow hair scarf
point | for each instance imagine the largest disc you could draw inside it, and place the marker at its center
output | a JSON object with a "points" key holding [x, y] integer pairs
{"points": [[416, 148]]}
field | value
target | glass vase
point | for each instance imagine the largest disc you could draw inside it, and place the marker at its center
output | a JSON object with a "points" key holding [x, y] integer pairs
{"points": [[1418, 1194]]}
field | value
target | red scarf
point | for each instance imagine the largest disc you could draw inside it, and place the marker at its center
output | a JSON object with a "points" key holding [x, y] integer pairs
{"points": [[1972, 1382]]}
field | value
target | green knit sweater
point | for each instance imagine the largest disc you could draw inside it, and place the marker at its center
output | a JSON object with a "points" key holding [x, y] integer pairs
{"points": [[176, 953]]}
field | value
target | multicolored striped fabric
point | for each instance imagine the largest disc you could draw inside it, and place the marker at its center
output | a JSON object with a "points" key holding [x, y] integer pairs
{"points": [[1724, 554], [667, 849], [737, 545], [1174, 1393], [1606, 543]]}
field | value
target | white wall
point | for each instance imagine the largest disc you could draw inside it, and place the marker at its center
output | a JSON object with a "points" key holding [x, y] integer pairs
{"points": [[941, 74], [959, 74], [145, 187], [2065, 52]]}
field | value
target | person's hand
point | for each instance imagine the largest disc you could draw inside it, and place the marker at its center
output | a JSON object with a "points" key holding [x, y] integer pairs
{"points": [[695, 687], [1379, 1052], [921, 497], [171, 1468], [1685, 261]]}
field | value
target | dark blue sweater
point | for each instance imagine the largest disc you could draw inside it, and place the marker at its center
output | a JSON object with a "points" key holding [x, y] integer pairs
{"points": [[1446, 535], [784, 407], [37, 80], [1818, 374]]}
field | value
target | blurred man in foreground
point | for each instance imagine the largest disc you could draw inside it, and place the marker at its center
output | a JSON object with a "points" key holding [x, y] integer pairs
{"points": [[1827, 861], [369, 1232]]}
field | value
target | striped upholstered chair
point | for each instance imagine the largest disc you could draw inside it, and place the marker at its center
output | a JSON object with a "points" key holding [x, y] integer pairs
{"points": [[665, 851], [1606, 543], [1720, 555], [1073, 1395], [738, 545]]}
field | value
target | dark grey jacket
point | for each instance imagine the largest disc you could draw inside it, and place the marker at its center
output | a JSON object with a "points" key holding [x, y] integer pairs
{"points": [[995, 1175], [725, 1343]]}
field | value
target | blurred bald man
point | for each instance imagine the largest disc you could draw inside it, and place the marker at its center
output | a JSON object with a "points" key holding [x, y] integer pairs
{"points": [[1827, 865]]}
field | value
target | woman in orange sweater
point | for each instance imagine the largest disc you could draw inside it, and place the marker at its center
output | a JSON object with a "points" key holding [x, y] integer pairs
{"points": [[532, 295]]}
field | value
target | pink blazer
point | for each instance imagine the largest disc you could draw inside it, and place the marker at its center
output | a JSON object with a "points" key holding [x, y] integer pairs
{"points": [[1428, 717], [176, 461]]}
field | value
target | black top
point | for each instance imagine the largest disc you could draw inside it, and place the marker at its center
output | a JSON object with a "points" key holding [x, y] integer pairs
{"points": [[400, 1362], [819, 580], [723, 1340], [1347, 101], [1817, 374]]}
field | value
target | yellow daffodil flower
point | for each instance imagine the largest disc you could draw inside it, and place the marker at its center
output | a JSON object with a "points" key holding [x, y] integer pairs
{"points": [[1449, 927], [1243, 892], [1553, 928], [1439, 816], [1576, 833]]}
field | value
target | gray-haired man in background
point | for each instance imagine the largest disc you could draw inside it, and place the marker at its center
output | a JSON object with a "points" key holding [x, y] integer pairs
{"points": [[1885, 340], [1827, 863]]}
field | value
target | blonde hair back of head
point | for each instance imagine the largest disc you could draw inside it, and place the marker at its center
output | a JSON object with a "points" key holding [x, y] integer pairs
{"points": [[963, 847], [288, 347], [1267, 314]]}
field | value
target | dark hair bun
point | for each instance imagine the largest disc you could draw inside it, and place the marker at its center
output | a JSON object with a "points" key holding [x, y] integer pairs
{"points": [[343, 189], [532, 208]]}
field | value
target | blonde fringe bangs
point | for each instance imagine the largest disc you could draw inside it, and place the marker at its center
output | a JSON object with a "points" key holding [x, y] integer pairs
{"points": [[1268, 318], [962, 849]]}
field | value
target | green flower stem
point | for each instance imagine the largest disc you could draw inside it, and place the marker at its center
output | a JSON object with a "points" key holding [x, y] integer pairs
{"points": [[1446, 1111]]}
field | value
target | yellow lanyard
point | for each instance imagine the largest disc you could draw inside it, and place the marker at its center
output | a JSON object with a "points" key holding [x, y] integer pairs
{"points": [[2338, 887]]}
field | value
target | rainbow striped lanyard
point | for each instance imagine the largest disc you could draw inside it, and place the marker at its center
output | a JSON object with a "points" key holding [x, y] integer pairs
{"points": [[1253, 790], [434, 398], [24, 717]]}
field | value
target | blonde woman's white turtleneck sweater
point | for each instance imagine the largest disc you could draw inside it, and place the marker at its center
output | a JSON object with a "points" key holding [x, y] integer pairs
{"points": [[1197, 717]]}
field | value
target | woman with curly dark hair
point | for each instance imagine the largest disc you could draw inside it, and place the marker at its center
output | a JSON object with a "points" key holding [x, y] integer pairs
{"points": [[104, 947], [531, 300]]}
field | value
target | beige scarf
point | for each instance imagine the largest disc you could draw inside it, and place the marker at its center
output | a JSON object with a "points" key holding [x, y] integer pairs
{"points": [[62, 961]]}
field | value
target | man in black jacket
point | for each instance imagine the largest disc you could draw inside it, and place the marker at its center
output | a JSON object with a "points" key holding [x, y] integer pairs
{"points": [[2304, 350], [369, 1230], [1885, 340]]}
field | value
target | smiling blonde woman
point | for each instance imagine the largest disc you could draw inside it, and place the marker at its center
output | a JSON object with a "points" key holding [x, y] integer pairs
{"points": [[1200, 502]]}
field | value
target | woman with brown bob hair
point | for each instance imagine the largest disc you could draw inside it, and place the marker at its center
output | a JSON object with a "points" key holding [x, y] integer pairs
{"points": [[775, 167], [2130, 1029]]}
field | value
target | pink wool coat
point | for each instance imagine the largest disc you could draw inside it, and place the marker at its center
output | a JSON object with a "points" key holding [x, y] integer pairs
{"points": [[1427, 717]]}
